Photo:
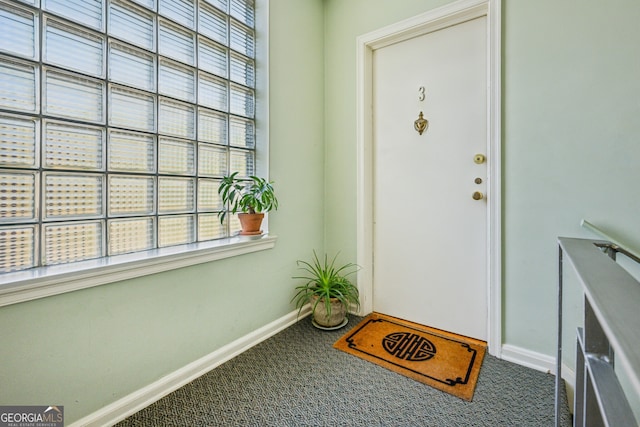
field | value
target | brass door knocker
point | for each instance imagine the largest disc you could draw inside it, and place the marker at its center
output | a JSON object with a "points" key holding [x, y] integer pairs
{"points": [[421, 124]]}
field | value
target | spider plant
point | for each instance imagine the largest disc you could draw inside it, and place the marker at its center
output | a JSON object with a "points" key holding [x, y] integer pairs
{"points": [[325, 281]]}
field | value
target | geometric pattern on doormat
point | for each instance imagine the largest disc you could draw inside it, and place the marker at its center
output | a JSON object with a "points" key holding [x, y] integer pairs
{"points": [[445, 361]]}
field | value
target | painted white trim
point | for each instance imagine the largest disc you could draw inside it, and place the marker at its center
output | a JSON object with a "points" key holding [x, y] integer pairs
{"points": [[132, 403], [48, 281], [530, 359], [494, 196], [262, 92], [569, 377], [428, 22], [448, 15], [364, 171], [543, 363]]}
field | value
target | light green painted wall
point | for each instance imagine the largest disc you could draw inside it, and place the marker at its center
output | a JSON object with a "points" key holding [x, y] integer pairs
{"points": [[571, 102], [88, 348], [571, 108]]}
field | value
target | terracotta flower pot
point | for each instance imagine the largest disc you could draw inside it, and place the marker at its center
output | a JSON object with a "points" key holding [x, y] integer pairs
{"points": [[250, 223], [320, 316]]}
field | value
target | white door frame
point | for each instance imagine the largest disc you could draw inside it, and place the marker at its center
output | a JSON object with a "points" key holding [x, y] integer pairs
{"points": [[442, 17]]}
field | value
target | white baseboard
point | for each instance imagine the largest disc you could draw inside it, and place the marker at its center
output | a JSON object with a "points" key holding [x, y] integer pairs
{"points": [[569, 377], [530, 359], [132, 403]]}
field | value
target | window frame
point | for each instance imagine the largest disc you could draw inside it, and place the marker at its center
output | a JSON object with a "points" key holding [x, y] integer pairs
{"points": [[39, 282]]}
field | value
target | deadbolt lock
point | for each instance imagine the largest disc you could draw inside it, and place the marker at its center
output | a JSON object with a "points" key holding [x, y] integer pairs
{"points": [[477, 195], [479, 158]]}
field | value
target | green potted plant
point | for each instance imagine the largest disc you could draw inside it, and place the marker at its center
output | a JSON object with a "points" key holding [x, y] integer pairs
{"points": [[250, 198], [328, 290]]}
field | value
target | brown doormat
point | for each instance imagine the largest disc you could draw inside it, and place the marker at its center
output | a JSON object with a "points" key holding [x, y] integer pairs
{"points": [[443, 360]]}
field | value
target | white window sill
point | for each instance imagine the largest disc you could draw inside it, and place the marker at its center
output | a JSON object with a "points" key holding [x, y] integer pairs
{"points": [[42, 282]]}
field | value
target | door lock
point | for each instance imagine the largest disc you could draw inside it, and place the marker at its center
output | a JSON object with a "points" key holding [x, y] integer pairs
{"points": [[479, 158], [477, 195]]}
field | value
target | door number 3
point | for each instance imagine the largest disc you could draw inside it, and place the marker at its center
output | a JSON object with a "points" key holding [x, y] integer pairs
{"points": [[421, 93]]}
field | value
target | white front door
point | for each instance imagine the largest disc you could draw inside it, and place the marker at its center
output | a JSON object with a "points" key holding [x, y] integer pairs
{"points": [[429, 233]]}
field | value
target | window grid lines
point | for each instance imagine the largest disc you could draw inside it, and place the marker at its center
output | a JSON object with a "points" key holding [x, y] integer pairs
{"points": [[53, 78]]}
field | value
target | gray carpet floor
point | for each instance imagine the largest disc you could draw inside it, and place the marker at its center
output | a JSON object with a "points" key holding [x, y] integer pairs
{"points": [[296, 378]]}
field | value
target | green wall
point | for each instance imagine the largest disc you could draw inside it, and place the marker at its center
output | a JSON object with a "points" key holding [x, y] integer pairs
{"points": [[571, 103], [89, 348]]}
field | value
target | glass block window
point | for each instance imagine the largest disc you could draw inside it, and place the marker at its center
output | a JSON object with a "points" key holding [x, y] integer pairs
{"points": [[118, 118]]}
